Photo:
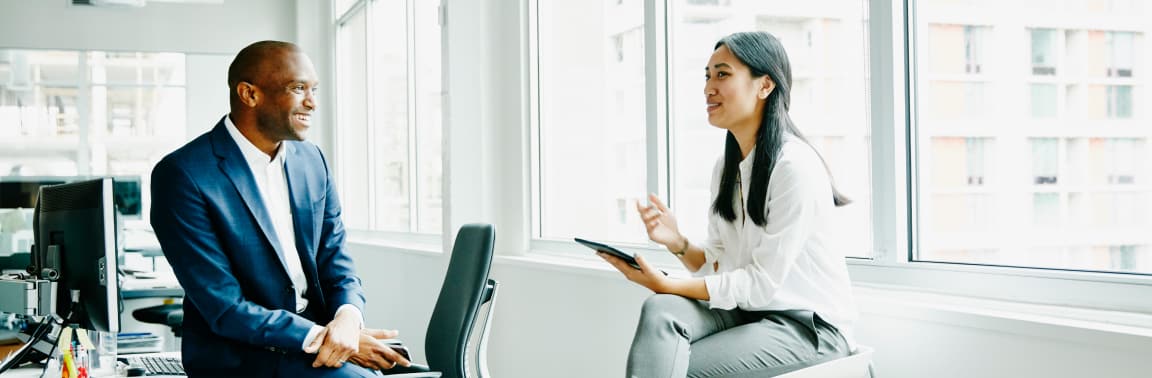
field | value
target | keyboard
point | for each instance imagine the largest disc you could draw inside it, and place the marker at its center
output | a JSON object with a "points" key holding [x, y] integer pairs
{"points": [[158, 365]]}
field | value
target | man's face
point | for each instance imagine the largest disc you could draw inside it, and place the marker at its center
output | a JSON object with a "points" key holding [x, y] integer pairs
{"points": [[289, 88]]}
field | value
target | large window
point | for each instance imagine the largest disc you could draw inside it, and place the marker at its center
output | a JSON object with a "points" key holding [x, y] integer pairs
{"points": [[388, 120], [62, 111], [592, 134], [604, 141], [1039, 167]]}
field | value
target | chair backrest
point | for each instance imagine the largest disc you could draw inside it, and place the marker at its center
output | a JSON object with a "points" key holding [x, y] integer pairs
{"points": [[460, 297]]}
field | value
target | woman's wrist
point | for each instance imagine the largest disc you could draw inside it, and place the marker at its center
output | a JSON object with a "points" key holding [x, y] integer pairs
{"points": [[680, 249]]}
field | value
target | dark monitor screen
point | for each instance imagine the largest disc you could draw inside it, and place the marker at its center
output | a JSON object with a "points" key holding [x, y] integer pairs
{"points": [[75, 234], [21, 191]]}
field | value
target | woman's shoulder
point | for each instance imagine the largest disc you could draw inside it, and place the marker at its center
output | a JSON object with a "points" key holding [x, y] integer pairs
{"points": [[797, 153]]}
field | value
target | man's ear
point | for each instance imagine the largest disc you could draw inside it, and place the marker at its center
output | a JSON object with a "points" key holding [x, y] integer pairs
{"points": [[768, 87], [249, 94]]}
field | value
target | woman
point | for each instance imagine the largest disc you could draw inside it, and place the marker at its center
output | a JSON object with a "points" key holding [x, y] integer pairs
{"points": [[770, 292]]}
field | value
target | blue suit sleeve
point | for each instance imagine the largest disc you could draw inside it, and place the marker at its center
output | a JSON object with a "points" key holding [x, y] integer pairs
{"points": [[334, 265], [187, 234]]}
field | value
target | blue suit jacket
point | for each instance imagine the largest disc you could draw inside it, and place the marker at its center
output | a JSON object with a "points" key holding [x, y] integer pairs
{"points": [[217, 235]]}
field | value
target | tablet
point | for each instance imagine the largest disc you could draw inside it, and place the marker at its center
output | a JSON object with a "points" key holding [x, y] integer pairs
{"points": [[600, 247]]}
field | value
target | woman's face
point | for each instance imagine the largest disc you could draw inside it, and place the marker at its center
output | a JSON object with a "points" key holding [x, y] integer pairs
{"points": [[735, 99]]}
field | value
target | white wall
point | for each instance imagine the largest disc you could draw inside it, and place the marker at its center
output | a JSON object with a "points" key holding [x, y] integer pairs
{"points": [[190, 28], [572, 322], [210, 33]]}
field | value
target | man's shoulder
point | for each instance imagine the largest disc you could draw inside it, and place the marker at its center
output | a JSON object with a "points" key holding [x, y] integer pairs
{"points": [[188, 158], [197, 149]]}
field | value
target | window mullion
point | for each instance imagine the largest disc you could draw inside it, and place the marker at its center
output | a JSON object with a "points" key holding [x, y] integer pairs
{"points": [[351, 12], [658, 140], [535, 134], [889, 163], [369, 97], [413, 147]]}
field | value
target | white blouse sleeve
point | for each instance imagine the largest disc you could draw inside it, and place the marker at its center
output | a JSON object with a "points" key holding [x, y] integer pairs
{"points": [[796, 188], [714, 246]]}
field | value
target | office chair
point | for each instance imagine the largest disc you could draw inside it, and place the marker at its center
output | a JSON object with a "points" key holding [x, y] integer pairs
{"points": [[171, 315], [465, 289]]}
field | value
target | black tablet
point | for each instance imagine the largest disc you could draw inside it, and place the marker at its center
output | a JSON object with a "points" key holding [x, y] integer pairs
{"points": [[600, 247]]}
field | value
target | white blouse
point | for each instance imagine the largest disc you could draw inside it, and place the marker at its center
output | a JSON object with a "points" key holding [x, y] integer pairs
{"points": [[792, 263]]}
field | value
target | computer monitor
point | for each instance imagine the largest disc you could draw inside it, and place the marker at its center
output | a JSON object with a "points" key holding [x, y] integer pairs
{"points": [[76, 229], [21, 191]]}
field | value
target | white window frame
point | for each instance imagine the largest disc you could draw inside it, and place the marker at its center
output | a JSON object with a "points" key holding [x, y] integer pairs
{"points": [[412, 237]]}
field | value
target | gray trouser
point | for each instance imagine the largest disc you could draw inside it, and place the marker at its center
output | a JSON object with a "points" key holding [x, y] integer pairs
{"points": [[681, 337]]}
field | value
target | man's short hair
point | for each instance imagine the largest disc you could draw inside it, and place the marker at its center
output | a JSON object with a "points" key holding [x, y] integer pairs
{"points": [[250, 61]]}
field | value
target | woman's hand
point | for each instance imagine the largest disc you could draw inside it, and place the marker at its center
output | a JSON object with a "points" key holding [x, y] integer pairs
{"points": [[646, 276], [661, 224]]}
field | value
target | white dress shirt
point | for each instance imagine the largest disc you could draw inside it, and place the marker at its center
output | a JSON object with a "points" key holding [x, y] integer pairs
{"points": [[791, 263], [273, 188]]}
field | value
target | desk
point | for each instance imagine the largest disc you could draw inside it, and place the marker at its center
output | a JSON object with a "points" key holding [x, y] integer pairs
{"points": [[29, 372], [164, 286], [147, 292]]}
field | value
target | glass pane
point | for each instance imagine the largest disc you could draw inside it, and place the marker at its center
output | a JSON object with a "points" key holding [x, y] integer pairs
{"points": [[351, 129], [389, 115], [592, 119], [828, 55], [138, 111], [136, 68], [21, 68], [1044, 100], [1043, 51], [429, 110], [1074, 173], [1044, 160]]}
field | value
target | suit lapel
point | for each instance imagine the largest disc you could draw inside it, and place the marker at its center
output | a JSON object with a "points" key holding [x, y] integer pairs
{"points": [[302, 216], [233, 165]]}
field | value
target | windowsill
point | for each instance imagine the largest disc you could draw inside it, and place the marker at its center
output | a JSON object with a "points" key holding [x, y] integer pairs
{"points": [[1070, 323], [1073, 324], [416, 246]]}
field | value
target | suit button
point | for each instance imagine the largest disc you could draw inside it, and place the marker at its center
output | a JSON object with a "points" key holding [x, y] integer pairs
{"points": [[290, 289]]}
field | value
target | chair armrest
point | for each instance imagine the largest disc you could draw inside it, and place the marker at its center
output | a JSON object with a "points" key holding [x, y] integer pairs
{"points": [[415, 370]]}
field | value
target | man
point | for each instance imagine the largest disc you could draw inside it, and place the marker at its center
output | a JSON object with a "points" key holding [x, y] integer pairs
{"points": [[249, 219]]}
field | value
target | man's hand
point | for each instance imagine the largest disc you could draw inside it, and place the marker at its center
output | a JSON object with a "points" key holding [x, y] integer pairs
{"points": [[376, 355], [341, 340]]}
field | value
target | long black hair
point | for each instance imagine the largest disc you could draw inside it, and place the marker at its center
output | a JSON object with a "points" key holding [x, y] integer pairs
{"points": [[764, 55]]}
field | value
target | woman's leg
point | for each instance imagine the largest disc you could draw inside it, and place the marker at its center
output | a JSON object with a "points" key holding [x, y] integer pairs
{"points": [[668, 325], [774, 345]]}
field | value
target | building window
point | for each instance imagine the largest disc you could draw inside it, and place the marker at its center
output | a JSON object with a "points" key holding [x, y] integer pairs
{"points": [[1044, 101], [1046, 210], [1084, 180], [388, 121], [1119, 101], [1121, 48], [67, 113], [1043, 52], [1044, 161], [593, 103], [973, 48]]}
